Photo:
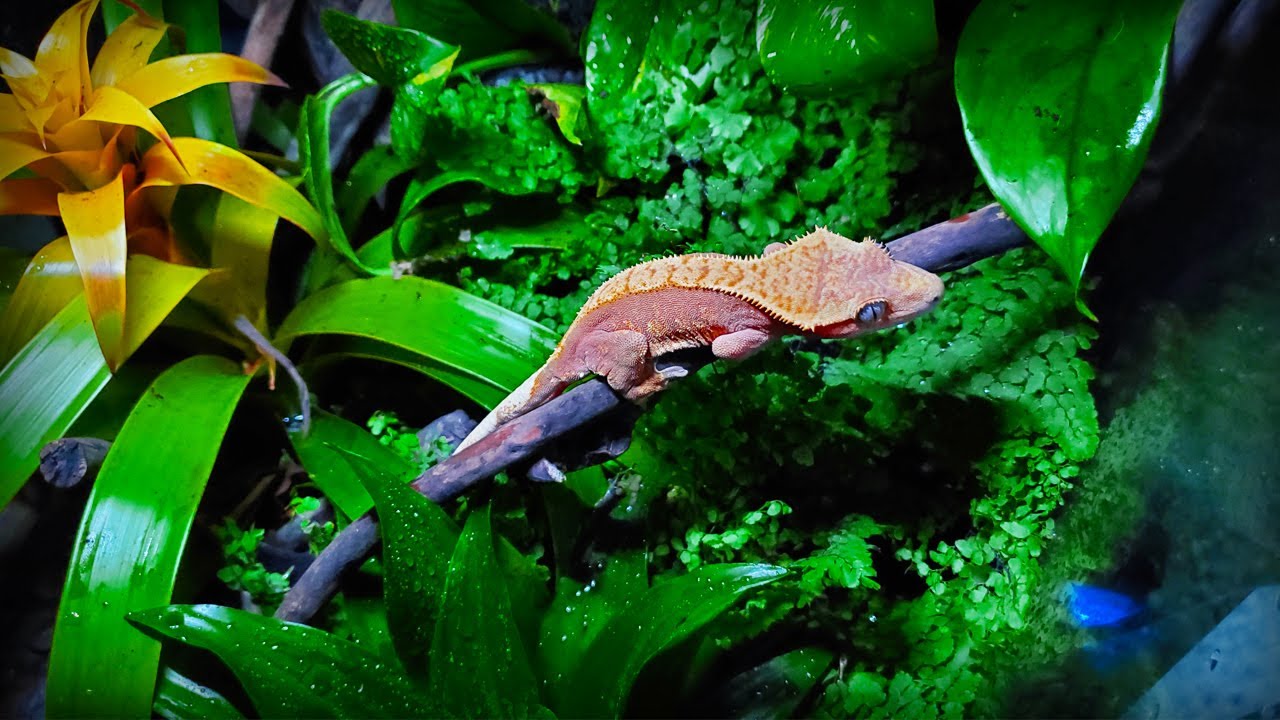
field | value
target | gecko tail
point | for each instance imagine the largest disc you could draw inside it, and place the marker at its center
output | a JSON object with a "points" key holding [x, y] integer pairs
{"points": [[540, 388]]}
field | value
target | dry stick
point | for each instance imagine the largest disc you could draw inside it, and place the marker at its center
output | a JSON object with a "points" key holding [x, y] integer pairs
{"points": [[946, 246], [265, 30]]}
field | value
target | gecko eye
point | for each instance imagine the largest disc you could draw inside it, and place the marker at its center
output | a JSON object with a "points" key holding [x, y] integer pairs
{"points": [[872, 312]]}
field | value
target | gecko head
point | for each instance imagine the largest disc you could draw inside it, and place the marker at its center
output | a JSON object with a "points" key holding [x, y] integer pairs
{"points": [[878, 292]]}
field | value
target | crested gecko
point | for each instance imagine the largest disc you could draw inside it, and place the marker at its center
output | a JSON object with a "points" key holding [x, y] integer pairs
{"points": [[820, 285]]}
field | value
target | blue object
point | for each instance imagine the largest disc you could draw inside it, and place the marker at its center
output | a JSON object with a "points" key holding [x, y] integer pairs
{"points": [[1095, 607]]}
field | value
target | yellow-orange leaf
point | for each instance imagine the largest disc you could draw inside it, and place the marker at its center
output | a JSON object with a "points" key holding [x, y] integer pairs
{"points": [[231, 172], [116, 106], [28, 86], [50, 281], [127, 49], [154, 288], [168, 78], [28, 196], [90, 168], [16, 154], [63, 57], [12, 117], [95, 227]]}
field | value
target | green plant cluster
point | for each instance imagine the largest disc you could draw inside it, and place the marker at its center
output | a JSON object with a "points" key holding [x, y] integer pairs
{"points": [[938, 453]]}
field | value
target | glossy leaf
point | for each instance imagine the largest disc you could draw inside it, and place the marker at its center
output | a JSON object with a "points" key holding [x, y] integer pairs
{"points": [[208, 163], [18, 153], [240, 241], [822, 47], [418, 539], [62, 56], [375, 168], [12, 116], [313, 151], [431, 319], [209, 107], [110, 105], [579, 611], [663, 616], [390, 55], [50, 281], [423, 187], [175, 76], [291, 670], [563, 102], [28, 196], [127, 48], [482, 392], [179, 697], [615, 44], [774, 688], [95, 229], [323, 453], [154, 287], [132, 535], [1059, 102], [412, 107], [483, 27], [478, 663], [44, 388]]}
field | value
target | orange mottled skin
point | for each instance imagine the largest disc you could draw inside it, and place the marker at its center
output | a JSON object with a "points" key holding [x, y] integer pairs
{"points": [[821, 285]]}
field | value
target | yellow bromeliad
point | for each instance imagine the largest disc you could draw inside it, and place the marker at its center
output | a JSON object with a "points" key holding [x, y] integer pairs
{"points": [[74, 127]]}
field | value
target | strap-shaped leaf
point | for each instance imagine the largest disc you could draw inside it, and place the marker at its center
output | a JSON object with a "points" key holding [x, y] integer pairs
{"points": [[131, 538], [95, 229], [172, 77], [44, 388], [291, 670]]}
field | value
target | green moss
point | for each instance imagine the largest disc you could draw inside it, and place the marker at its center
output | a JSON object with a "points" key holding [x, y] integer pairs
{"points": [[911, 478]]}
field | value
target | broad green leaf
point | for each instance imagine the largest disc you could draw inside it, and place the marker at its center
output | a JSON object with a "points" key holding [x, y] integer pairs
{"points": [[209, 107], [428, 318], [580, 611], [478, 663], [323, 452], [389, 55], [377, 167], [774, 688], [483, 27], [483, 392], [291, 670], [44, 388], [411, 111], [366, 624], [418, 539], [179, 697], [131, 538], [563, 102], [313, 152], [424, 186], [615, 44], [1059, 102], [823, 47], [50, 281], [663, 616], [241, 237]]}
